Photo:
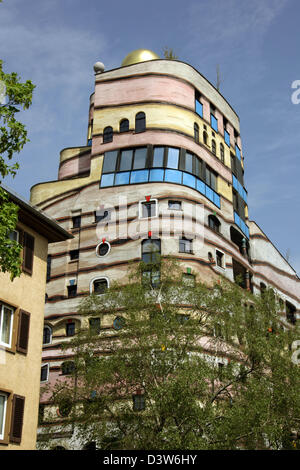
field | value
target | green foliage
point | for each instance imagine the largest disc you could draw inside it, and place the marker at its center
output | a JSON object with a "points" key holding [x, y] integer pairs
{"points": [[13, 137], [250, 402], [169, 54]]}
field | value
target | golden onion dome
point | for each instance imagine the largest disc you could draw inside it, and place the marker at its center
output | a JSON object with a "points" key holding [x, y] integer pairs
{"points": [[139, 55]]}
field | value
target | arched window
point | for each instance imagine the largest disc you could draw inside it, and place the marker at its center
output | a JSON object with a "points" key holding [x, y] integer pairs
{"points": [[108, 134], [213, 147], [196, 133], [214, 223], [205, 137], [210, 257], [124, 125], [99, 286], [140, 122], [222, 153], [263, 288], [47, 335]]}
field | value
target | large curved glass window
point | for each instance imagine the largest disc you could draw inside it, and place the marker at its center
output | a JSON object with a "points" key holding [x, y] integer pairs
{"points": [[159, 164]]}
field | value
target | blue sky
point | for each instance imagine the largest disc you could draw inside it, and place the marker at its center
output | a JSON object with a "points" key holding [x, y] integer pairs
{"points": [[256, 44]]}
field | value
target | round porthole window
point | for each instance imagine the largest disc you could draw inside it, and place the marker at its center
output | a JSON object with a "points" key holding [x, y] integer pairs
{"points": [[102, 249]]}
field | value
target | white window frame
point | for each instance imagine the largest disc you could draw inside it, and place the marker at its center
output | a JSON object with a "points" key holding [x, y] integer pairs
{"points": [[49, 327], [141, 209], [2, 306], [223, 268], [3, 394], [18, 234], [43, 365], [98, 279], [101, 243]]}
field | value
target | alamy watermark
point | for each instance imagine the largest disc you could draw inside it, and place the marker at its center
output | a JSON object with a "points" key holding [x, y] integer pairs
{"points": [[295, 98]]}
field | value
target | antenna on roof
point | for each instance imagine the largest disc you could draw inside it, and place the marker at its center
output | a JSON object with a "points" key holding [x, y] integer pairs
{"points": [[218, 78]]}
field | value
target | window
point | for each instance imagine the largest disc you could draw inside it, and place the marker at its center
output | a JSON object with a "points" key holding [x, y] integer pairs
{"points": [[99, 286], [48, 276], [214, 223], [3, 406], [107, 134], [67, 367], [110, 161], [28, 252], [175, 205], [185, 245], [65, 407], [196, 133], [263, 289], [47, 335], [102, 214], [138, 402], [181, 318], [124, 125], [158, 157], [198, 105], [72, 290], [74, 255], [14, 235], [151, 250], [119, 323], [205, 137], [220, 259], [102, 249], [213, 147], [94, 324], [188, 279], [214, 122], [227, 138], [222, 154], [18, 404], [70, 328], [148, 209], [173, 158], [211, 178], [44, 372], [140, 157], [6, 325], [140, 122], [290, 313], [76, 221]]}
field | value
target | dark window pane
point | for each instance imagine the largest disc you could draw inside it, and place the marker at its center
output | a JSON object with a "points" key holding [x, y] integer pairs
{"points": [[103, 249], [126, 160], [100, 286], [140, 122], [47, 335], [110, 160], [48, 268], [185, 246], [189, 162], [72, 290], [70, 329], [44, 373], [102, 215], [74, 254], [175, 205], [198, 167], [119, 323], [94, 325], [138, 402], [76, 221], [108, 134], [124, 125], [149, 209], [140, 156]]}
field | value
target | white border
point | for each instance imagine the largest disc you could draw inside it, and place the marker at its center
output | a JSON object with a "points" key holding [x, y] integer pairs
{"points": [[101, 243], [48, 326], [7, 345], [224, 259], [98, 278], [43, 365], [4, 414], [141, 209]]}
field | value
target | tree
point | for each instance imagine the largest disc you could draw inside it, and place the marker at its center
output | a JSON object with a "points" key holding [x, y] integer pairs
{"points": [[169, 54], [189, 366], [14, 95]]}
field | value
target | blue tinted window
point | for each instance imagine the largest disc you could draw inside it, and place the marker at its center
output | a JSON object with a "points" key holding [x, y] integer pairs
{"points": [[173, 176], [122, 178], [189, 180], [158, 157], [217, 200], [156, 175], [214, 122], [209, 193], [238, 152], [244, 195], [107, 180], [201, 186], [173, 157], [140, 176], [234, 181], [227, 138], [237, 219], [199, 108]]}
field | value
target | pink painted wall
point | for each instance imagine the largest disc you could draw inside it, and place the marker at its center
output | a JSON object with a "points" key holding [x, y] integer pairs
{"points": [[74, 166], [206, 108], [144, 89]]}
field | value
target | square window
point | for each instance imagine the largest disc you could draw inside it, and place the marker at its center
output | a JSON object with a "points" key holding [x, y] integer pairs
{"points": [[185, 245], [148, 209], [139, 402], [175, 205], [100, 286], [94, 325], [44, 373], [102, 215], [74, 254], [14, 235]]}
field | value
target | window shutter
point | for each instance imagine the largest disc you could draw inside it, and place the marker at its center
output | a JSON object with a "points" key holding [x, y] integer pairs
{"points": [[28, 250], [23, 332], [17, 419]]}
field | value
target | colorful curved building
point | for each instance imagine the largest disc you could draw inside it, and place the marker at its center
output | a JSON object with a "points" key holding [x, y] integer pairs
{"points": [[163, 161]]}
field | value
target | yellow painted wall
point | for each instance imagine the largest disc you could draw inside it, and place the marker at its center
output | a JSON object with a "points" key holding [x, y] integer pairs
{"points": [[18, 372]]}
